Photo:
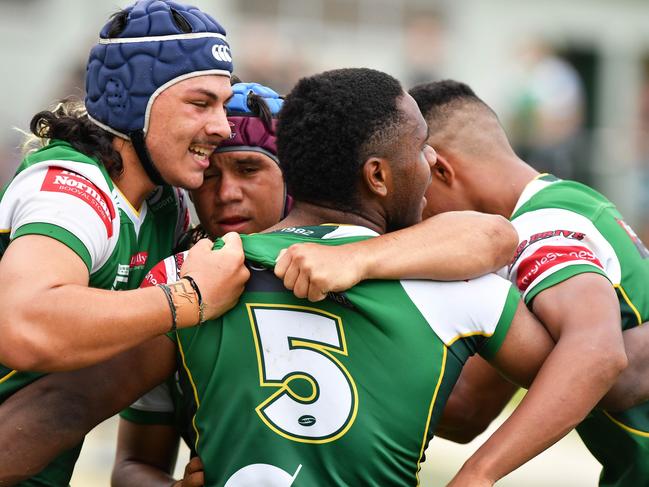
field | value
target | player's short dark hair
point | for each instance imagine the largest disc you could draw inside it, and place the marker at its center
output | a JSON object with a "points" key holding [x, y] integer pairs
{"points": [[432, 98], [329, 125]]}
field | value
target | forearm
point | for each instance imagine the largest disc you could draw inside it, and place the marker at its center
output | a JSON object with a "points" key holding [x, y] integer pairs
{"points": [[54, 413], [134, 473], [146, 455], [562, 394], [54, 321], [449, 246], [632, 386], [478, 397], [74, 326]]}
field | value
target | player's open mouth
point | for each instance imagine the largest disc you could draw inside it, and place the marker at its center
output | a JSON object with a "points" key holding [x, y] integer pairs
{"points": [[234, 224], [201, 153]]}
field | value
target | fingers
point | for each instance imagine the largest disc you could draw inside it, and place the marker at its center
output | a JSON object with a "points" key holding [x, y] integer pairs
{"points": [[232, 239], [194, 476], [297, 267], [287, 267], [232, 244], [281, 263], [196, 479], [194, 465], [301, 286], [204, 244], [316, 294]]}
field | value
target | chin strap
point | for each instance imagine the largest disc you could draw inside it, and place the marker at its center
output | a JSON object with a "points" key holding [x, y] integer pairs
{"points": [[137, 139]]}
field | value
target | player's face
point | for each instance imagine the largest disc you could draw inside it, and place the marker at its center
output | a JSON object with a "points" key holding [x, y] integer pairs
{"points": [[242, 192], [187, 122], [411, 169]]}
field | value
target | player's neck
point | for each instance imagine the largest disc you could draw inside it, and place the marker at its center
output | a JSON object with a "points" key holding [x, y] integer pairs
{"points": [[133, 182], [507, 187], [307, 214]]}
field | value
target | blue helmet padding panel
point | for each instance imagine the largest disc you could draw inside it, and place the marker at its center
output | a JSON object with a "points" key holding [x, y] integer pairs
{"points": [[239, 101]]}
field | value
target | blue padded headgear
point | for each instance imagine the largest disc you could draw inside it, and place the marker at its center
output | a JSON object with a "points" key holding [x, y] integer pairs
{"points": [[126, 73], [238, 104]]}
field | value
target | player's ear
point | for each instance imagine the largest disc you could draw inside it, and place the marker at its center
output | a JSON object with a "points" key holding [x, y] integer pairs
{"points": [[443, 170], [376, 176]]}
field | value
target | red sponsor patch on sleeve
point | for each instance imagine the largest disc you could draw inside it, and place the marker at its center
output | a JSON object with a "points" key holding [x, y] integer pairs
{"points": [[547, 257], [157, 275], [59, 180], [179, 258]]}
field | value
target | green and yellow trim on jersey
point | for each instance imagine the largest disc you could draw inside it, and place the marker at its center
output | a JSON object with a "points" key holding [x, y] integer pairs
{"points": [[630, 429], [628, 301], [433, 401], [193, 384], [8, 376]]}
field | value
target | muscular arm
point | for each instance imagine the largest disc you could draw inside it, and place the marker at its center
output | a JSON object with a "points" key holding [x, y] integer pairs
{"points": [[55, 412], [55, 322], [478, 397], [146, 455], [632, 386], [446, 247], [581, 367]]}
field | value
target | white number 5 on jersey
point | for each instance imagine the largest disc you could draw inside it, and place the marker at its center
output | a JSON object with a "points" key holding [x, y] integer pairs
{"points": [[296, 343]]}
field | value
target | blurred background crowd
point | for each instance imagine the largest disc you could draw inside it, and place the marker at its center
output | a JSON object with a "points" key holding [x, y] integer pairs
{"points": [[570, 80]]}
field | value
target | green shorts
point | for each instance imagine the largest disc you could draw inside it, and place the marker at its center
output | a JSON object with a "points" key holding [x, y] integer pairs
{"points": [[620, 442]]}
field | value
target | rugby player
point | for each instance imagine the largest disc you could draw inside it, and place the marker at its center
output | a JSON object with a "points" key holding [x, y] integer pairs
{"points": [[580, 267]]}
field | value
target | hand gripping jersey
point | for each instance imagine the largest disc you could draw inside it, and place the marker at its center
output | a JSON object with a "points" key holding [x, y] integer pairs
{"points": [[342, 392], [63, 194], [567, 229]]}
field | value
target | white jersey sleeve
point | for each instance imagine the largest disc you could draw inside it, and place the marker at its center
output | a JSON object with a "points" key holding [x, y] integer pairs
{"points": [[482, 307], [157, 400], [68, 201], [157, 405], [555, 244]]}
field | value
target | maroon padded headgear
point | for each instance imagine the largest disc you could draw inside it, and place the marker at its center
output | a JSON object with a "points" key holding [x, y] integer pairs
{"points": [[249, 133]]}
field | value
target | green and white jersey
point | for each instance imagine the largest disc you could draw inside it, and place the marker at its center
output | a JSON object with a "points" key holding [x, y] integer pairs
{"points": [[66, 195], [343, 392], [565, 229]]}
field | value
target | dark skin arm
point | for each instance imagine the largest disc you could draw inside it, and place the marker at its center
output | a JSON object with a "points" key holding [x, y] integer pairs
{"points": [[146, 454], [632, 386], [69, 404], [587, 332], [478, 397], [481, 393], [466, 244], [580, 368]]}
